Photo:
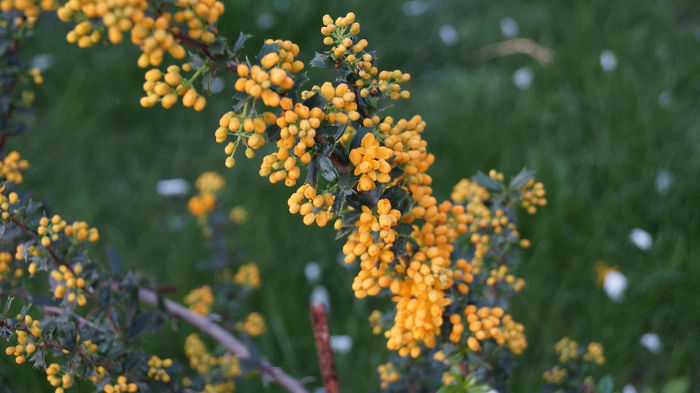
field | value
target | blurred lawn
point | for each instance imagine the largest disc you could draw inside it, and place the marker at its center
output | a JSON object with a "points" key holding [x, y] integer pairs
{"points": [[597, 140]]}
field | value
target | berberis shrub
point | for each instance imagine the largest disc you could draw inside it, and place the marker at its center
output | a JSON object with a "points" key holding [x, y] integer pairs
{"points": [[447, 266]]}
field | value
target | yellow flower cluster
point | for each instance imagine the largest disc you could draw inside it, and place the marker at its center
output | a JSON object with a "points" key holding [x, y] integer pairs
{"points": [[243, 128], [11, 167], [298, 125], [341, 36], [500, 275], [172, 85], [388, 374], [79, 231], [533, 196], [121, 386], [313, 207], [468, 191], [198, 15], [203, 362], [238, 215], [492, 323], [594, 354], [200, 299], [154, 35], [201, 205], [5, 264], [370, 160], [60, 382], [272, 77], [340, 106], [253, 324], [248, 275], [30, 8], [156, 368], [567, 349], [208, 184], [555, 375], [26, 339], [36, 75], [338, 35], [69, 283], [375, 322], [6, 201], [372, 243]]}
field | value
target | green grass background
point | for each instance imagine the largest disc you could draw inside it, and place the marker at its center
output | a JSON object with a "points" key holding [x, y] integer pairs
{"points": [[596, 139]]}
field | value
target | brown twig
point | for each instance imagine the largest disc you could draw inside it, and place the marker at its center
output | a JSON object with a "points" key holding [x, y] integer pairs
{"points": [[319, 322], [517, 46]]}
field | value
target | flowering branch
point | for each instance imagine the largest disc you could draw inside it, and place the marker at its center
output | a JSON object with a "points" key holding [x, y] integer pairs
{"points": [[223, 337]]}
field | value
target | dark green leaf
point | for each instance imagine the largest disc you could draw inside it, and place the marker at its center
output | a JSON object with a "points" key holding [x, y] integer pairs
{"points": [[322, 60], [238, 46], [328, 171], [346, 180], [312, 172], [521, 179], [115, 261], [267, 48], [338, 202], [219, 46], [485, 181], [272, 133], [357, 139]]}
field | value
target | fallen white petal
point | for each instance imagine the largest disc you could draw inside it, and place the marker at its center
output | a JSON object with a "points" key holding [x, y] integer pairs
{"points": [[614, 285], [172, 187], [522, 78], [641, 239], [312, 271], [652, 342], [629, 389], [608, 60], [414, 7], [448, 34], [663, 182], [509, 27], [341, 344]]}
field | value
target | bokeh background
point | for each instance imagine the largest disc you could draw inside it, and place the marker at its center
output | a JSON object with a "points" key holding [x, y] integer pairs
{"points": [[611, 125]]}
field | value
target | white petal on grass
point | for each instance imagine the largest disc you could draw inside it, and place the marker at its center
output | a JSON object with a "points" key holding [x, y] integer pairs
{"points": [[509, 27], [217, 85], [629, 388], [414, 7], [265, 21], [651, 342], [448, 34], [663, 182], [608, 60], [173, 187], [665, 98], [320, 390], [341, 344], [641, 239], [523, 77], [312, 271], [320, 295], [42, 61], [281, 5], [615, 285]]}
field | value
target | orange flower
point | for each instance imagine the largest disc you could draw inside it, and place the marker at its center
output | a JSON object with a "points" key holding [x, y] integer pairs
{"points": [[370, 162]]}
